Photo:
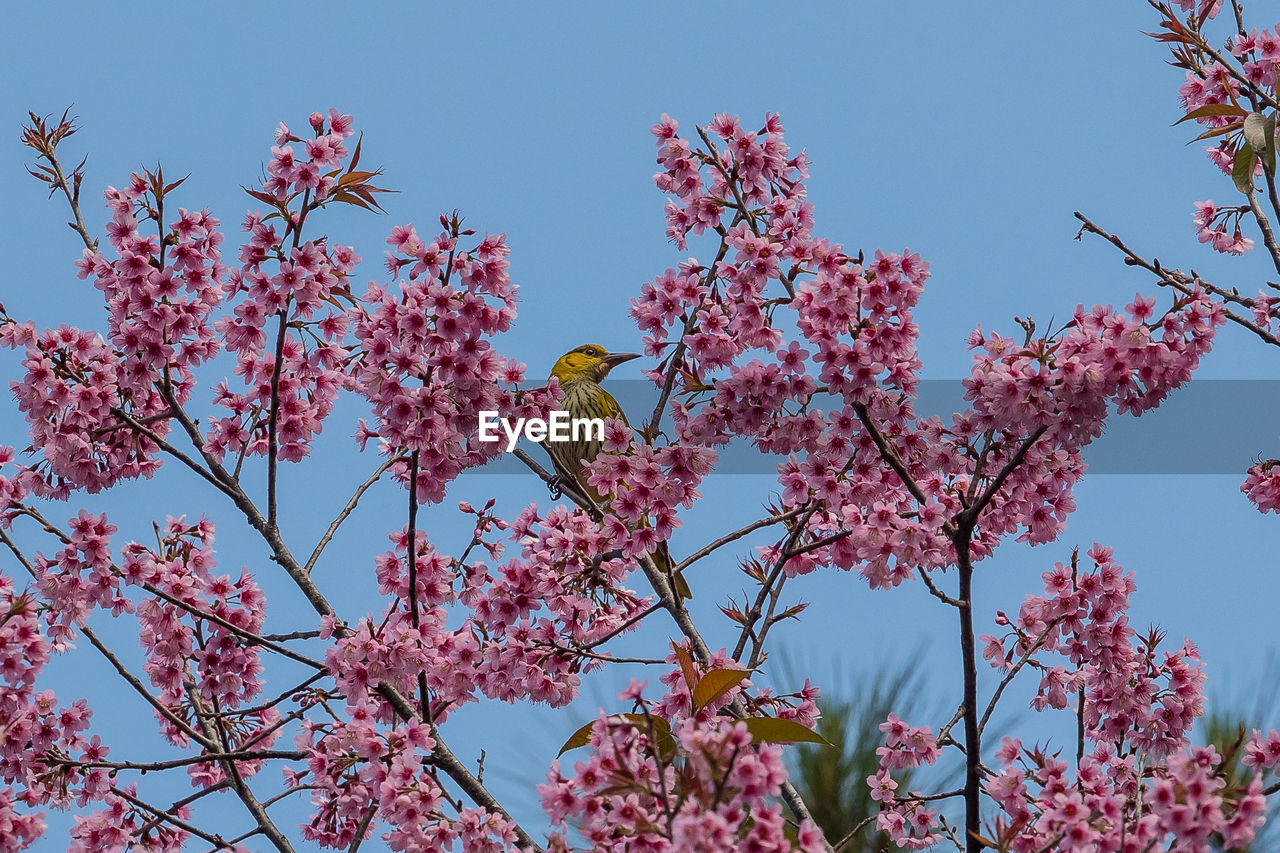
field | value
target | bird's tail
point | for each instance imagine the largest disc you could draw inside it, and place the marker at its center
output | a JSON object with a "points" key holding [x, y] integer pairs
{"points": [[661, 557]]}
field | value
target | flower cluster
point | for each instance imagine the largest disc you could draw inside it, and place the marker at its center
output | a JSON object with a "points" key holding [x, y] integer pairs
{"points": [[1263, 753], [355, 766], [28, 721], [1136, 706], [646, 486], [122, 825], [1262, 485], [1117, 803], [1209, 86], [162, 290], [423, 359], [74, 398], [1133, 694], [840, 403], [80, 577], [905, 818], [1211, 227], [288, 324], [197, 625], [1259, 55], [698, 784], [97, 407]]}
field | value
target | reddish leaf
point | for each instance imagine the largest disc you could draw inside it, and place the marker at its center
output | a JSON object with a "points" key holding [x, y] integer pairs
{"points": [[355, 157], [1219, 131], [661, 728], [1212, 110], [265, 198], [686, 666]]}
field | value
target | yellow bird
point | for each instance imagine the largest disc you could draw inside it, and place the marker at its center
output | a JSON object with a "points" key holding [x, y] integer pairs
{"points": [[580, 371]]}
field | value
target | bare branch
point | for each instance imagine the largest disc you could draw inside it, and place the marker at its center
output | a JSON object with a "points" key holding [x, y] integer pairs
{"points": [[735, 535], [937, 593], [346, 511]]}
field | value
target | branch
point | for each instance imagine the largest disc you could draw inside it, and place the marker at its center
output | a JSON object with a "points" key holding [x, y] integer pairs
{"points": [[672, 603], [363, 827], [232, 772], [946, 730], [282, 555], [677, 357], [889, 455], [1264, 224], [164, 445], [142, 691], [970, 515], [119, 667], [972, 736], [937, 593], [1181, 282], [166, 817], [185, 801], [147, 767], [853, 833], [568, 489], [444, 758], [653, 608], [735, 535], [346, 511], [254, 639], [766, 586], [769, 620], [273, 417], [1035, 647]]}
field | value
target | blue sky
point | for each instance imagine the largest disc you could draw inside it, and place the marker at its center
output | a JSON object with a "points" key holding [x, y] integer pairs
{"points": [[969, 133]]}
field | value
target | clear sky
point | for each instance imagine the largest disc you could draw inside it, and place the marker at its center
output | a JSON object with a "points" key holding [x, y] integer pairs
{"points": [[968, 132]]}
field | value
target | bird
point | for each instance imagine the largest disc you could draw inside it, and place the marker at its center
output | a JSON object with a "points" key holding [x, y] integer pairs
{"points": [[580, 372]]}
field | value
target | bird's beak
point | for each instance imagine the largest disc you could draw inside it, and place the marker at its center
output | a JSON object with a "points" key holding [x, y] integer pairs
{"points": [[616, 358]]}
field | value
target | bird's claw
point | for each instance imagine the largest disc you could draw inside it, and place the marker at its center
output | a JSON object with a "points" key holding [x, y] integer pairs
{"points": [[553, 485]]}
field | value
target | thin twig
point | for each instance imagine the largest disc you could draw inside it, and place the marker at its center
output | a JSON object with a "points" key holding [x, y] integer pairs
{"points": [[182, 803], [621, 629], [73, 198], [170, 764], [1009, 676], [735, 535], [273, 415], [890, 456], [243, 633], [937, 593], [170, 818], [346, 511]]}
